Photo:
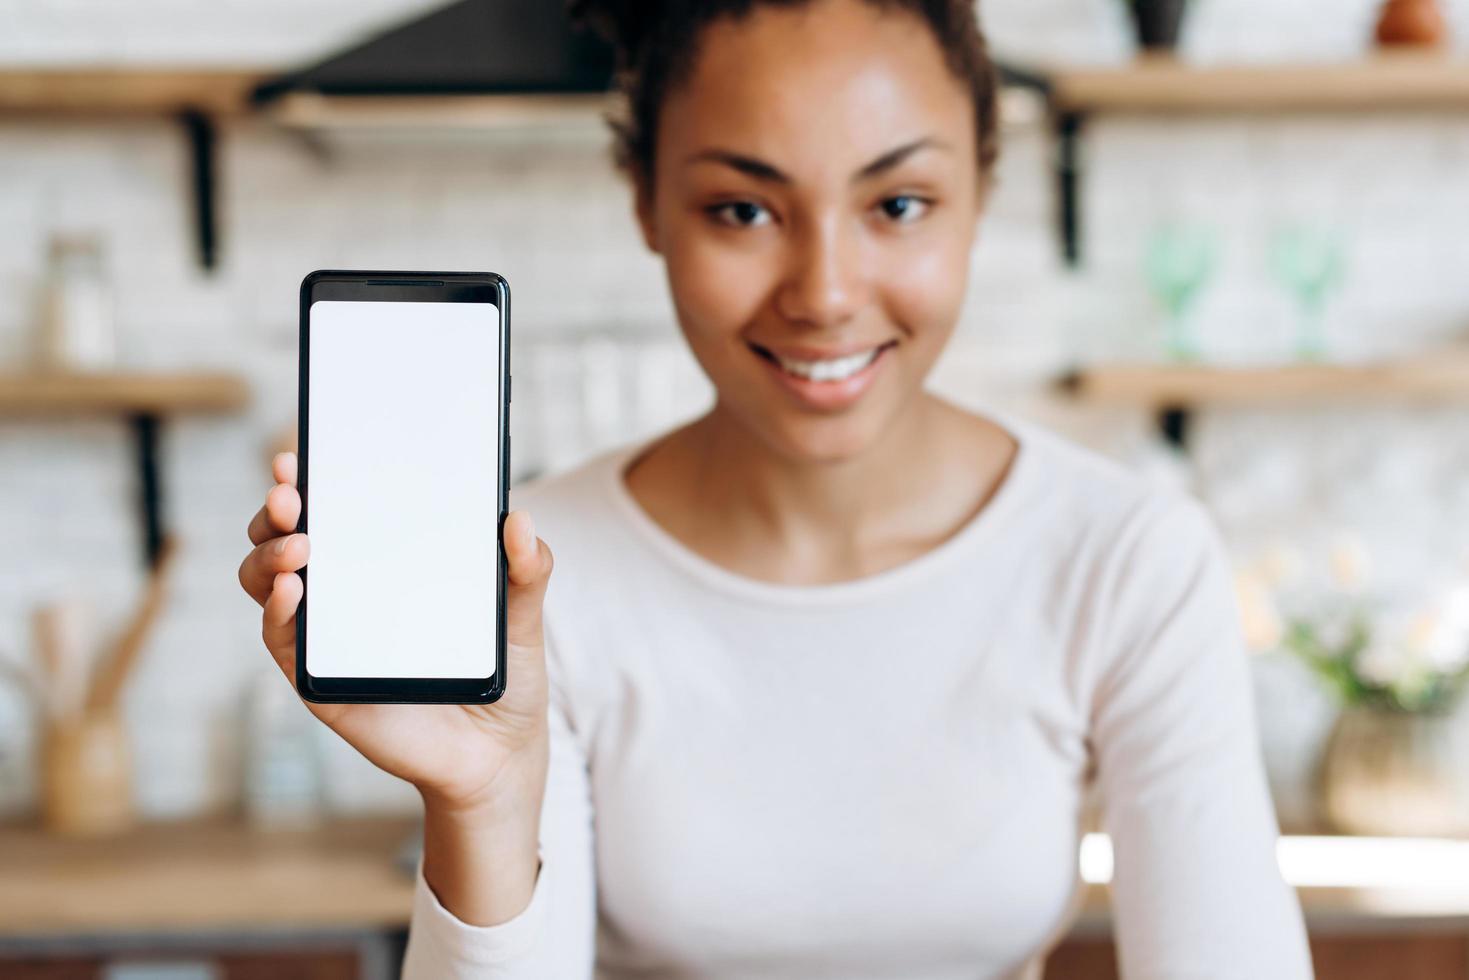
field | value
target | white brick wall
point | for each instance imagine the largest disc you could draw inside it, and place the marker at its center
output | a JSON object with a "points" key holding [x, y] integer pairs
{"points": [[549, 212]]}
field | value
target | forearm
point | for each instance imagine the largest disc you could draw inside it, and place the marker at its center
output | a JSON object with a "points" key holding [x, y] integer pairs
{"points": [[481, 861]]}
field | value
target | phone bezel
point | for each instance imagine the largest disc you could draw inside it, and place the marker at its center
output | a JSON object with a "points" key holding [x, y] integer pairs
{"points": [[392, 286]]}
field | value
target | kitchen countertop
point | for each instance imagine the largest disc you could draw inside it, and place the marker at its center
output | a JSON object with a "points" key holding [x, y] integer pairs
{"points": [[217, 875], [206, 875]]}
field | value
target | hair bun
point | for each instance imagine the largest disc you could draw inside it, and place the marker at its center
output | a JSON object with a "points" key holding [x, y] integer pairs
{"points": [[626, 24]]}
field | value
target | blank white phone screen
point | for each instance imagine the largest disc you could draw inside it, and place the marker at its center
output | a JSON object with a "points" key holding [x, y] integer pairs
{"points": [[402, 489]]}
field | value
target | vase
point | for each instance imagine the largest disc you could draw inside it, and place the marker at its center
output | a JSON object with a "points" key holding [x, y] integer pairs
{"points": [[1158, 23], [1412, 23], [1396, 773]]}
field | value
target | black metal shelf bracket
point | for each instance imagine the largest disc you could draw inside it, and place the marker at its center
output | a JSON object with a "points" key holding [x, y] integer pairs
{"points": [[1067, 160], [150, 492], [200, 131], [1068, 128], [1174, 425]]}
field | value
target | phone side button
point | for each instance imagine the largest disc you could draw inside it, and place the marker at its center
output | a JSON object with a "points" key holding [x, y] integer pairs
{"points": [[510, 387]]}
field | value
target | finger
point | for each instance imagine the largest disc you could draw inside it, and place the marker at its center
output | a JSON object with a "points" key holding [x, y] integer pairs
{"points": [[530, 562], [279, 516], [284, 554], [279, 632], [284, 468], [279, 621], [284, 599]]}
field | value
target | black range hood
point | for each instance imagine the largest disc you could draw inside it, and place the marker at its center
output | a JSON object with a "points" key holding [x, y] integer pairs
{"points": [[472, 47]]}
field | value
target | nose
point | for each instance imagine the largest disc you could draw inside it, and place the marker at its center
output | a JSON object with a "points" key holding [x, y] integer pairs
{"points": [[825, 283]]}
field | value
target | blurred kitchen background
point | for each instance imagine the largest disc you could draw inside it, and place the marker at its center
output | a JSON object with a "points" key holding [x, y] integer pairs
{"points": [[1236, 261]]}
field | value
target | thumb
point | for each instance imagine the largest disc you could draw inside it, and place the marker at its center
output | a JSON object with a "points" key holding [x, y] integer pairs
{"points": [[529, 563]]}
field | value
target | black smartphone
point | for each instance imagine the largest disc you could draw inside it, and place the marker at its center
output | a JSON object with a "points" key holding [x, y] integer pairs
{"points": [[404, 454]]}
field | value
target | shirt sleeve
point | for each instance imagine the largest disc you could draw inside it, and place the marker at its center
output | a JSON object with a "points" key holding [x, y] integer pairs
{"points": [[553, 937], [1197, 891]]}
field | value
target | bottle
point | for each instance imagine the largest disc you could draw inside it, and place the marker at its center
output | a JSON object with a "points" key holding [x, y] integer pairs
{"points": [[283, 780], [77, 329]]}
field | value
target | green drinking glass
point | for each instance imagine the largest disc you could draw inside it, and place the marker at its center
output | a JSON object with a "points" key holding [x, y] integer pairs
{"points": [[1309, 262], [1179, 261]]}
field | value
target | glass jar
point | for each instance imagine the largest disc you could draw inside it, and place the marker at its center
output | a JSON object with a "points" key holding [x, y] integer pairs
{"points": [[77, 329]]}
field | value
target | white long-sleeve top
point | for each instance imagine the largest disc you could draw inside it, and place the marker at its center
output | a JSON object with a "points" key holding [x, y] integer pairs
{"points": [[884, 779]]}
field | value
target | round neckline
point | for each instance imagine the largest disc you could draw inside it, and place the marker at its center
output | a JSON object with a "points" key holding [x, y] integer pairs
{"points": [[720, 579]]}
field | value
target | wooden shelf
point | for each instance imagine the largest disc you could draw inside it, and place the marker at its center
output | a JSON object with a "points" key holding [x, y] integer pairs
{"points": [[209, 874], [1167, 386], [1158, 84], [305, 110], [144, 399], [150, 394], [1162, 84], [196, 98], [124, 91]]}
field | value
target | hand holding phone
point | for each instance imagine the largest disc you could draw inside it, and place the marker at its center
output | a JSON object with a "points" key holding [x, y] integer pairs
{"points": [[410, 366], [424, 596], [481, 767]]}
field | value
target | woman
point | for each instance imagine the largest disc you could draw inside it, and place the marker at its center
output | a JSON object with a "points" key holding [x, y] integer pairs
{"points": [[828, 673]]}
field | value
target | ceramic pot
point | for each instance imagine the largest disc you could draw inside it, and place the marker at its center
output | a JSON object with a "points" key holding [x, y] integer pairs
{"points": [[1412, 23], [1395, 773], [1158, 22], [86, 776]]}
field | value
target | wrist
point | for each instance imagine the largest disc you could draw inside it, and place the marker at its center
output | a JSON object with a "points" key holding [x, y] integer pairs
{"points": [[482, 863], [517, 788]]}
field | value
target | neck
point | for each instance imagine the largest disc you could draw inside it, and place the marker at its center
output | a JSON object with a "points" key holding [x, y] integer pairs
{"points": [[830, 503], [728, 495]]}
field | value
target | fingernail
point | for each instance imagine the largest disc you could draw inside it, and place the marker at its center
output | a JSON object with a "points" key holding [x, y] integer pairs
{"points": [[528, 536], [280, 544]]}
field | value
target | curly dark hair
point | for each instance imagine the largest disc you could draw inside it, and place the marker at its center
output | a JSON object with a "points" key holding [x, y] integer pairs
{"points": [[656, 44]]}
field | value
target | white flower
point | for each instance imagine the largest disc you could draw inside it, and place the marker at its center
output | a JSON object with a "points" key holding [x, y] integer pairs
{"points": [[1350, 564], [1282, 565], [1443, 632], [1258, 616], [1386, 660]]}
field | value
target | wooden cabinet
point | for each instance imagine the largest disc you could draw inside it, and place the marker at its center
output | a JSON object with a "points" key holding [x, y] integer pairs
{"points": [[207, 900], [214, 900], [1386, 956], [176, 964]]}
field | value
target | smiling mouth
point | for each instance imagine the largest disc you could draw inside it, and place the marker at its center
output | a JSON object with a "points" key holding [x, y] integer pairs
{"points": [[829, 370]]}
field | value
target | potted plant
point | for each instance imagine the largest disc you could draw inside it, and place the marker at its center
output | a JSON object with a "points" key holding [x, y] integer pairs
{"points": [[1397, 758], [1395, 761]]}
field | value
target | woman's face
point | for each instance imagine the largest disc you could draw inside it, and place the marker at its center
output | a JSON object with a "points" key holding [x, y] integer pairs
{"points": [[815, 199]]}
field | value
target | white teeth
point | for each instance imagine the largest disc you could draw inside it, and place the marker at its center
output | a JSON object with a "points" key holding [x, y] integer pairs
{"points": [[836, 369]]}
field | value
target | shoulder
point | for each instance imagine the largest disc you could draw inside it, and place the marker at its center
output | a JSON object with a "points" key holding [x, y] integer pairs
{"points": [[1136, 554], [1095, 503], [577, 513], [585, 517], [1150, 572], [569, 505]]}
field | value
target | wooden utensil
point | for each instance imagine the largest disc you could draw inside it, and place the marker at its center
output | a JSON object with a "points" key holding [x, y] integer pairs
{"points": [[62, 635], [86, 769], [117, 663]]}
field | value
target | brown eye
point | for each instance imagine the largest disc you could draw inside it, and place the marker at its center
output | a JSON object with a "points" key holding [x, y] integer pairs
{"points": [[741, 214], [904, 208]]}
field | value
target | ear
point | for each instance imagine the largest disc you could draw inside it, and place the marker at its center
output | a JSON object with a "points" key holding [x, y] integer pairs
{"points": [[983, 191], [643, 210]]}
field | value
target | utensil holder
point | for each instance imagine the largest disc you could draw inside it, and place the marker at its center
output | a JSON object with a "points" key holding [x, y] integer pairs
{"points": [[86, 776]]}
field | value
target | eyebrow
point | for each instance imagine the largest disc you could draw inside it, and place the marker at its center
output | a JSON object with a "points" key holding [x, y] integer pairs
{"points": [[761, 170]]}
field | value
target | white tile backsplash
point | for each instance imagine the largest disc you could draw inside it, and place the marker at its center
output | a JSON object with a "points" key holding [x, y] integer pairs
{"points": [[550, 214]]}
